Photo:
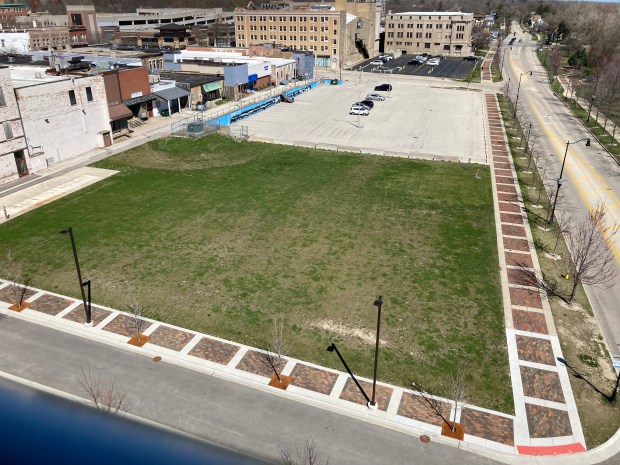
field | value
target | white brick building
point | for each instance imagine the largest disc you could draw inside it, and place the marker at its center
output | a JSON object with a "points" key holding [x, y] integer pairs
{"points": [[13, 150], [63, 119]]}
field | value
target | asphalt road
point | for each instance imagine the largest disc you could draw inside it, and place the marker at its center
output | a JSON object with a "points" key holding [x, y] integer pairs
{"points": [[242, 418], [591, 176]]}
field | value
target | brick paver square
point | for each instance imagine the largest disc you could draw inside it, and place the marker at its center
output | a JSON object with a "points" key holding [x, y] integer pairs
{"points": [[314, 379], [170, 338], [519, 259], [488, 426], [413, 406], [507, 189], [78, 315], [514, 218], [502, 165], [10, 294], [513, 230], [504, 180], [509, 207], [521, 277], [124, 325], [507, 197], [50, 304], [529, 321], [544, 422], [214, 350], [525, 297], [511, 243], [352, 393], [503, 172], [541, 384], [253, 363], [534, 349]]}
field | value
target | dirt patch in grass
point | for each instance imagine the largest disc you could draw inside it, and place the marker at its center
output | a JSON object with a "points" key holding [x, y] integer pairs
{"points": [[219, 235]]}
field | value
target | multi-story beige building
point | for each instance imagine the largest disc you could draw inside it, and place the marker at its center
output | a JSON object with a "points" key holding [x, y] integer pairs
{"points": [[336, 37], [437, 33]]}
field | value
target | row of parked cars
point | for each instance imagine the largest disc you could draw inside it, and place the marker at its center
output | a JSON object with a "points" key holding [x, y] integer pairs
{"points": [[425, 58], [363, 107], [380, 60]]}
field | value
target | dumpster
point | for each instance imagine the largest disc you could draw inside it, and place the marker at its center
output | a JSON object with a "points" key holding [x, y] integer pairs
{"points": [[164, 113]]}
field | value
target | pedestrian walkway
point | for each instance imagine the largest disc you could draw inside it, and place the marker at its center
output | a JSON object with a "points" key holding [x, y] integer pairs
{"points": [[486, 65], [546, 417]]}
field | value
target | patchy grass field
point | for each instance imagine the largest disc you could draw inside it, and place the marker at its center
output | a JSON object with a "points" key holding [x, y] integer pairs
{"points": [[220, 235]]}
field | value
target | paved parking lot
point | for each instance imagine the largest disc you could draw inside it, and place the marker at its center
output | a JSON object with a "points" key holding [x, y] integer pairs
{"points": [[419, 119], [450, 67]]}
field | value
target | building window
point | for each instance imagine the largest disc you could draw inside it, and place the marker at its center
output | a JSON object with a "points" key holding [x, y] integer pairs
{"points": [[8, 130], [427, 45], [89, 94], [76, 19], [72, 97]]}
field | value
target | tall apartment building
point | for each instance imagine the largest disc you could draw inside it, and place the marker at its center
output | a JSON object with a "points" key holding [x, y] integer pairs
{"points": [[336, 37], [437, 33]]}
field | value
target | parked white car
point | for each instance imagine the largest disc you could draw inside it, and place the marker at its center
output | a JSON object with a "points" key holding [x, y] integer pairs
{"points": [[376, 63], [359, 110], [433, 62]]}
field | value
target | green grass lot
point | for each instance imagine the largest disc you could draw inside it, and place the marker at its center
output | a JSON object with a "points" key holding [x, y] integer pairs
{"points": [[220, 235]]}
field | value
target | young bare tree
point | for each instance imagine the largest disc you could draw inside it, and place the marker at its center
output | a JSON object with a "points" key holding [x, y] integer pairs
{"points": [[272, 355], [103, 392], [308, 455], [136, 309], [20, 283], [457, 392], [592, 260]]}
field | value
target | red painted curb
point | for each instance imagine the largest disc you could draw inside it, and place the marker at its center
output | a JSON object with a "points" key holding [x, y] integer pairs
{"points": [[574, 448]]}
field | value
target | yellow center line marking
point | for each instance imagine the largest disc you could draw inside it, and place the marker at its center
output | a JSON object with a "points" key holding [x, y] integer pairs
{"points": [[579, 169]]}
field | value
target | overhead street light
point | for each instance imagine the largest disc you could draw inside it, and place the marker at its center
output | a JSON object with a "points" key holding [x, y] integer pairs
{"points": [[560, 180], [514, 113], [87, 307]]}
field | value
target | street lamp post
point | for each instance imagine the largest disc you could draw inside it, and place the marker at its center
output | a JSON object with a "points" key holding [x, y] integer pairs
{"points": [[87, 307], [527, 139], [560, 180], [590, 107], [514, 113], [377, 303]]}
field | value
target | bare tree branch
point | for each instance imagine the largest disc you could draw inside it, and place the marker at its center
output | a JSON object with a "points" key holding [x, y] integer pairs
{"points": [[272, 355], [103, 392]]}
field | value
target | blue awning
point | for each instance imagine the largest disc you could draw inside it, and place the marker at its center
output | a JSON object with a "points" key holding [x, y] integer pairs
{"points": [[253, 78]]}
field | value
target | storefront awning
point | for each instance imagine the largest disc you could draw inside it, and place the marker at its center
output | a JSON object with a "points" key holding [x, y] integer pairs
{"points": [[211, 86], [139, 100], [171, 93], [119, 111]]}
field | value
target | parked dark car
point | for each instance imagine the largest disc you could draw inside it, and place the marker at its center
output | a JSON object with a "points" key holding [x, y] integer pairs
{"points": [[383, 88], [368, 103], [415, 62], [471, 58], [363, 103]]}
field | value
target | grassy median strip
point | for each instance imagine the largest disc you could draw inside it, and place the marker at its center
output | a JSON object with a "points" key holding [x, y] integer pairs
{"points": [[582, 343], [220, 235]]}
